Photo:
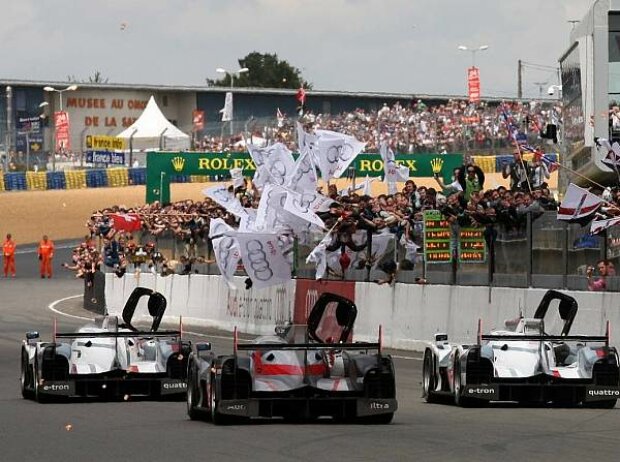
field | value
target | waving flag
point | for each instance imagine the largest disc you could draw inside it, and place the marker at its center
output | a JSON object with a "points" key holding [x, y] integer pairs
{"points": [[300, 96], [225, 248], [303, 177], [274, 164], [608, 153], [227, 110], [392, 171], [336, 152], [599, 225], [127, 222], [226, 199], [263, 260], [578, 205], [319, 257]]}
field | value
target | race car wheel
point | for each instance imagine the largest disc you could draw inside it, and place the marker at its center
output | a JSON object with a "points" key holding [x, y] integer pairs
{"points": [[429, 379], [40, 397], [26, 377], [216, 417], [193, 396], [459, 399]]}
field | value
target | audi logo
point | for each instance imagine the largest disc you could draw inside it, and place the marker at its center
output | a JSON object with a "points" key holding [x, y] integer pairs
{"points": [[258, 260]]}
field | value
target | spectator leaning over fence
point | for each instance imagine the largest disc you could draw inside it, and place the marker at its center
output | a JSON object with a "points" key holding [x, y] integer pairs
{"points": [[45, 253], [600, 283], [8, 253]]}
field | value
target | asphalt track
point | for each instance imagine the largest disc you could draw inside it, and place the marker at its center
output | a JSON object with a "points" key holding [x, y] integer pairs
{"points": [[154, 431]]}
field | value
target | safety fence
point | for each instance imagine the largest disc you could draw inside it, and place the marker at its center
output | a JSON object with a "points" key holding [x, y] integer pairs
{"points": [[122, 176], [539, 251]]}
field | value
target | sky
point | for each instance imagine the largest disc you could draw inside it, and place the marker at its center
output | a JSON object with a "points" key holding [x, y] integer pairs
{"points": [[405, 46]]}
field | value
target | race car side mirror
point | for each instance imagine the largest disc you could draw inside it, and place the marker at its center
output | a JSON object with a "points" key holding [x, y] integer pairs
{"points": [[32, 335], [441, 338], [203, 346]]}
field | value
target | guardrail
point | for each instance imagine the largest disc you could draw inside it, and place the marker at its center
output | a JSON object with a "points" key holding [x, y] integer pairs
{"points": [[543, 253]]}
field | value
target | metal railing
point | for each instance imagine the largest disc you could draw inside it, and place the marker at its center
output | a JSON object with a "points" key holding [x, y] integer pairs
{"points": [[540, 252]]}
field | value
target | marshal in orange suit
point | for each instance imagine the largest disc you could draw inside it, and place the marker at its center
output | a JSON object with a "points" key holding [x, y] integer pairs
{"points": [[8, 252], [46, 253]]}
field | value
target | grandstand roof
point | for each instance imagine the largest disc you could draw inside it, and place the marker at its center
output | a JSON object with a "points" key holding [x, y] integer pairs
{"points": [[250, 90]]}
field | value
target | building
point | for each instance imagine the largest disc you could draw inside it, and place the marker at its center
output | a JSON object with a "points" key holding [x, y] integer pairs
{"points": [[108, 108], [590, 70]]}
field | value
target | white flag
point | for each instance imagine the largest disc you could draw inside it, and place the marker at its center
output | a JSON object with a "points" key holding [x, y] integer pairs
{"points": [[268, 214], [274, 164], [608, 153], [227, 110], [237, 176], [247, 224], [300, 205], [336, 152], [262, 259], [319, 256], [225, 248], [303, 178], [599, 225], [393, 171], [226, 199], [578, 205], [367, 191]]}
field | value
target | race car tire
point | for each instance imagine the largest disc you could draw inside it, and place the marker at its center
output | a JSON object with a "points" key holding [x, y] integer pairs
{"points": [[216, 417], [429, 377], [40, 397], [459, 399], [25, 378], [193, 396], [608, 404]]}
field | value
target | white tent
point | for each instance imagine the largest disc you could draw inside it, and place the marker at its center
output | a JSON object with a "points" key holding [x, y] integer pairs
{"points": [[153, 131]]}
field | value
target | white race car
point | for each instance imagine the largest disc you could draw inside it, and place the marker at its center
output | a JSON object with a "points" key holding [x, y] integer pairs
{"points": [[108, 360], [523, 363]]}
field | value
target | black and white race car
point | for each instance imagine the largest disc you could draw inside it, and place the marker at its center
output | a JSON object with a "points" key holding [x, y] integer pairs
{"points": [[108, 358], [526, 364], [304, 372]]}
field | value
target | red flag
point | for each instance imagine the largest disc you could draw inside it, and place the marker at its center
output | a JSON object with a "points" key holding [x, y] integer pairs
{"points": [[301, 96], [128, 222]]}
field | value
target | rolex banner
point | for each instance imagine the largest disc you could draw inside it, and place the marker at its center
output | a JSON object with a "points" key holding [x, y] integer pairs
{"points": [[162, 165]]}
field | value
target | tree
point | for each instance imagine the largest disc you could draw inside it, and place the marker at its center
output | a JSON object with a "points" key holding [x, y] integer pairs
{"points": [[97, 77], [265, 71]]}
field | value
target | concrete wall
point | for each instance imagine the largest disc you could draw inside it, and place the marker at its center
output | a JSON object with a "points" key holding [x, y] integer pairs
{"points": [[409, 313]]}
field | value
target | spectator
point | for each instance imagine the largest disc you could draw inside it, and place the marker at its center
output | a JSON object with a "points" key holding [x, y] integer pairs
{"points": [[519, 172], [600, 283]]}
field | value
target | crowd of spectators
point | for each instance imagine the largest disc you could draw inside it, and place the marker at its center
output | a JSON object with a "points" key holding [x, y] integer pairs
{"points": [[465, 201], [453, 126]]}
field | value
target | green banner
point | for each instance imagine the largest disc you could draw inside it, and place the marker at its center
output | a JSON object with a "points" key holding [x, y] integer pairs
{"points": [[161, 165], [437, 238]]}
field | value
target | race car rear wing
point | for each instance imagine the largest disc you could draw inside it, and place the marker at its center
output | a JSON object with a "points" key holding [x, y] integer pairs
{"points": [[307, 345], [545, 337], [138, 333]]}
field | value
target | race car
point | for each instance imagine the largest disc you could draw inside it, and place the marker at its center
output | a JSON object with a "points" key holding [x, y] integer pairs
{"points": [[524, 363], [108, 358], [301, 373]]}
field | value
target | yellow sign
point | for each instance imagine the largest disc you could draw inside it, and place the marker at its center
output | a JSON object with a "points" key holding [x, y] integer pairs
{"points": [[178, 163], [105, 143]]}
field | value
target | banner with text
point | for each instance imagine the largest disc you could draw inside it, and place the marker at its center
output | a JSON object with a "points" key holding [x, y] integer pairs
{"points": [[61, 125]]}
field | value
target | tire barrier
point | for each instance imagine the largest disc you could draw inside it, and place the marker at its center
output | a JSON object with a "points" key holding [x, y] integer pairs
{"points": [[15, 181], [75, 179], [36, 181], [56, 180], [122, 176]]}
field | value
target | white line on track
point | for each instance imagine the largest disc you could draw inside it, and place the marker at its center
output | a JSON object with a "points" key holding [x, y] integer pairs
{"points": [[52, 307]]}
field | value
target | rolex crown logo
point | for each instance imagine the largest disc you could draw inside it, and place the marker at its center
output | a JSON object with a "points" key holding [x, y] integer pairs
{"points": [[178, 163], [437, 164]]}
